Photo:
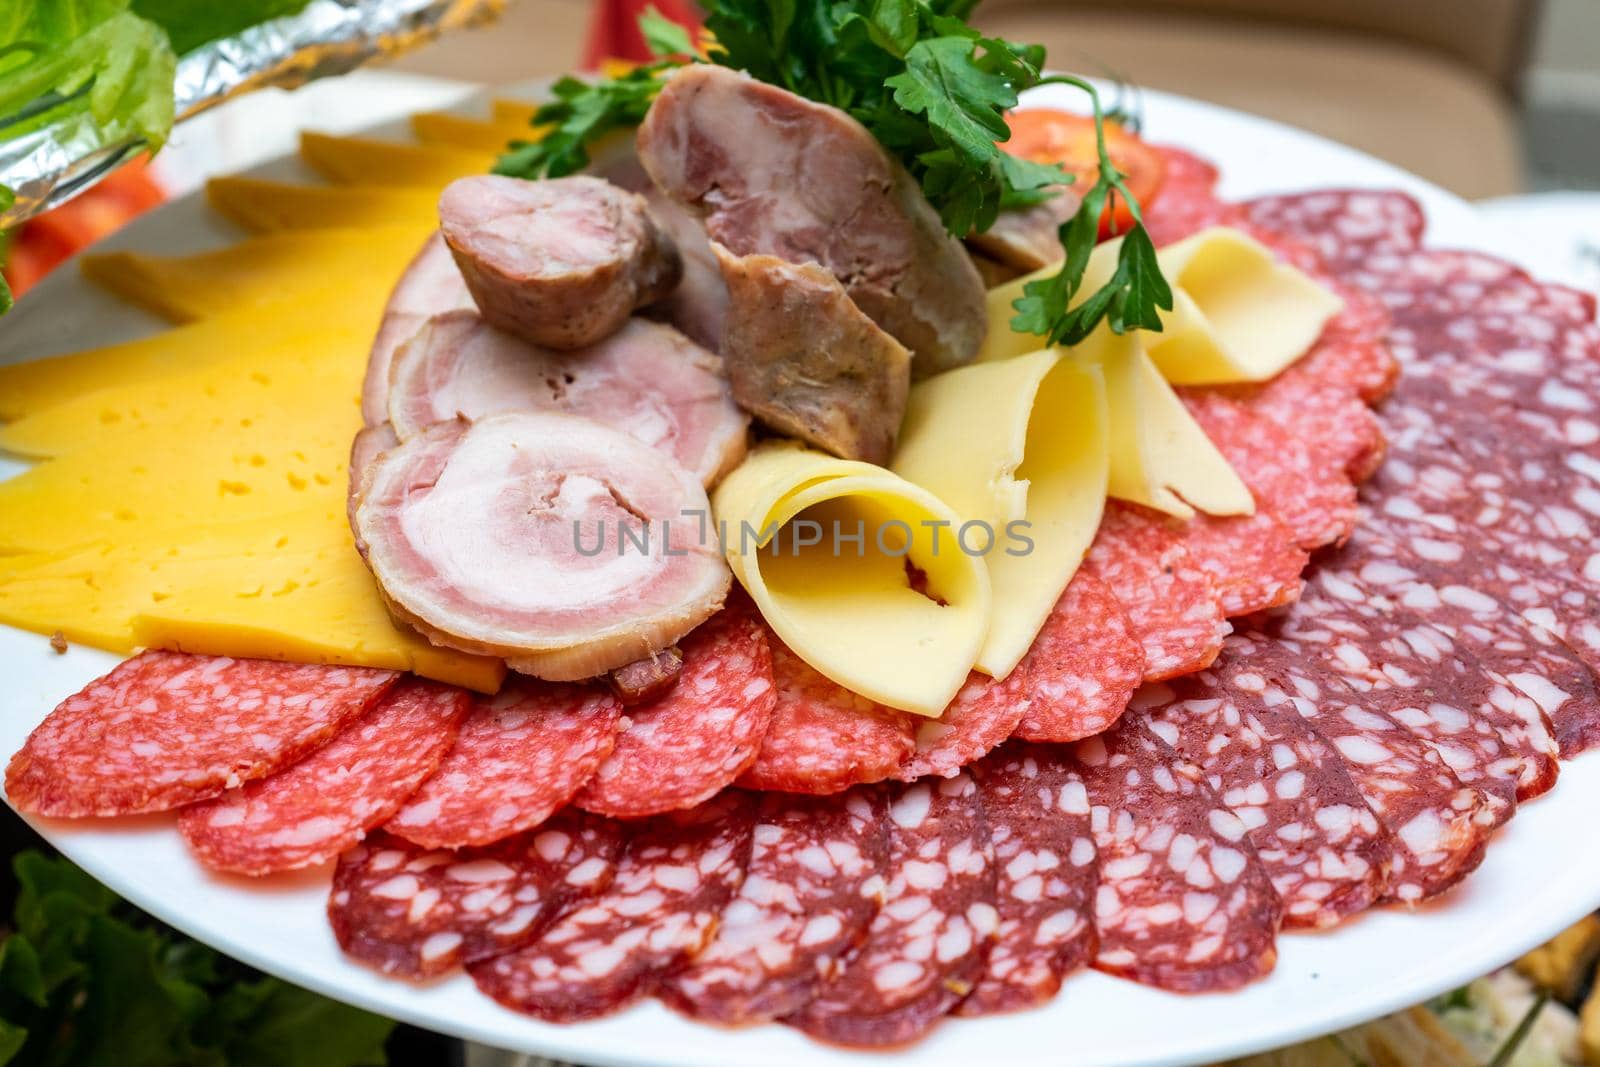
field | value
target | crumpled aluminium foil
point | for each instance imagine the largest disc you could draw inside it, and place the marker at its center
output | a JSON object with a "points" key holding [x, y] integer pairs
{"points": [[53, 164]]}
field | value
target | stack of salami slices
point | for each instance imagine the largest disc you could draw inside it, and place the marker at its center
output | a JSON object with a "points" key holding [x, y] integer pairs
{"points": [[1226, 727]]}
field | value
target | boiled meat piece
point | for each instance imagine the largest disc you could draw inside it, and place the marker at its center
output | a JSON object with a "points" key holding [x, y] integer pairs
{"points": [[647, 380], [431, 285], [804, 359], [699, 304], [567, 548], [774, 174], [562, 262], [370, 443], [1028, 238]]}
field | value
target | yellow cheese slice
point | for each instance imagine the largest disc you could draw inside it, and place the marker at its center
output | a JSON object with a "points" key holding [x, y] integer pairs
{"points": [[847, 607], [512, 112], [365, 161], [1160, 457], [261, 270], [1023, 440], [262, 206], [1237, 314], [449, 130]]}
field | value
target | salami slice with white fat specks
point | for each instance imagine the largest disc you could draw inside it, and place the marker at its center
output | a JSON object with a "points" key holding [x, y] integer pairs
{"points": [[1083, 666], [814, 882], [824, 738], [1335, 427], [686, 746], [1316, 503], [165, 729], [1344, 226], [1324, 849], [1438, 826], [982, 714], [1186, 202], [1183, 903], [926, 946], [520, 757], [1045, 873], [311, 811], [1170, 601], [1252, 560], [419, 913], [677, 873]]}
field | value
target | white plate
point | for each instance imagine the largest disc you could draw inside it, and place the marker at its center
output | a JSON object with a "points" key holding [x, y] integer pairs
{"points": [[1537, 879]]}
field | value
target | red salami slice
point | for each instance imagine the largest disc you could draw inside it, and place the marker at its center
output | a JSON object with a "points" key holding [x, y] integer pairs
{"points": [[814, 883], [165, 729], [1252, 560], [1326, 853], [677, 873], [1185, 203], [416, 913], [1316, 503], [824, 738], [310, 812], [1083, 666], [1336, 428], [1345, 227], [685, 747], [1183, 902], [520, 757], [925, 947], [1046, 875], [1171, 603], [983, 713], [1438, 826]]}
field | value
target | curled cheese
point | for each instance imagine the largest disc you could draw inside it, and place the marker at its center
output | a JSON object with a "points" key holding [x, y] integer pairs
{"points": [[849, 608], [1019, 440], [1160, 457], [1238, 315]]}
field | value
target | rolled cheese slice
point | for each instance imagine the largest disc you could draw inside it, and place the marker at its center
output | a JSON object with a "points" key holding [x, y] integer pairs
{"points": [[1160, 457], [1238, 315], [648, 380], [836, 552], [1022, 441], [567, 548]]}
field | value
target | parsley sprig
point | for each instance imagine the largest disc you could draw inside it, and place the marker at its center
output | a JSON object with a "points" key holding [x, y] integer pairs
{"points": [[934, 91]]}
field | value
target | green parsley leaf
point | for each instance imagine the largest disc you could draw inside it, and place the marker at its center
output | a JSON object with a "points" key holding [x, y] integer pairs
{"points": [[580, 113], [663, 36], [964, 103]]}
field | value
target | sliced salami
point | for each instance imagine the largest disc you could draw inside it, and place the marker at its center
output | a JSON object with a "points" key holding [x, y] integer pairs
{"points": [[311, 811], [1046, 877], [925, 947], [419, 913], [1316, 503], [1336, 428], [685, 747], [824, 738], [1183, 902], [677, 873], [165, 729], [983, 713], [1324, 849], [1083, 666], [1252, 560], [1345, 227], [1439, 827], [521, 756], [1186, 202], [814, 883], [1170, 601]]}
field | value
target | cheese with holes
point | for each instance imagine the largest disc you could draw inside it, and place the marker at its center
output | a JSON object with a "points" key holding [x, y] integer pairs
{"points": [[1160, 457], [822, 546], [1017, 441], [263, 206], [473, 135], [273, 269], [1237, 314]]}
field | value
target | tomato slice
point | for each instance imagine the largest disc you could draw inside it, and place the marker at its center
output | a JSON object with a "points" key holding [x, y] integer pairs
{"points": [[47, 240], [1046, 135]]}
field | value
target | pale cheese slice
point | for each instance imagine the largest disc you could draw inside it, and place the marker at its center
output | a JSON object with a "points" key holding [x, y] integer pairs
{"points": [[1019, 441], [848, 607], [1160, 457]]}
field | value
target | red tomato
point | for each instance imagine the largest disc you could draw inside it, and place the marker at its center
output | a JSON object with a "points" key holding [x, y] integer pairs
{"points": [[45, 241], [1045, 135]]}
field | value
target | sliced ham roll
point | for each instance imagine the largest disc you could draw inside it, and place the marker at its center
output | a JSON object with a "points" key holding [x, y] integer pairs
{"points": [[774, 174], [805, 360], [430, 286], [563, 262], [647, 380], [564, 547]]}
